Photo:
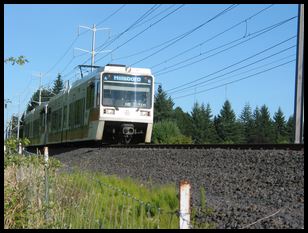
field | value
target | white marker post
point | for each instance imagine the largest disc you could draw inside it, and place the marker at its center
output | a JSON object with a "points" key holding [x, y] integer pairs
{"points": [[184, 204], [46, 181]]}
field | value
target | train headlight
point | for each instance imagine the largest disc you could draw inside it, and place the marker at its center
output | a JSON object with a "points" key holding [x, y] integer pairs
{"points": [[145, 113], [109, 111]]}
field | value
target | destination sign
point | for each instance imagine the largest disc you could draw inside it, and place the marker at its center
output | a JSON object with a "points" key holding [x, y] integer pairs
{"points": [[127, 78]]}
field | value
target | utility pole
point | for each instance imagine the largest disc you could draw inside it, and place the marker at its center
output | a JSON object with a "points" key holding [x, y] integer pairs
{"points": [[299, 85], [40, 87], [6, 102], [93, 29], [18, 118]]}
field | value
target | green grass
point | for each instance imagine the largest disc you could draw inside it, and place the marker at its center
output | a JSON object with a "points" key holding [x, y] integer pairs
{"points": [[111, 202], [80, 199]]}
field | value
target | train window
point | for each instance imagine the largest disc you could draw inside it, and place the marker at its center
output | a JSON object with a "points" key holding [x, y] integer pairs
{"points": [[71, 115], [90, 96], [76, 121], [64, 116], [59, 119], [97, 93]]}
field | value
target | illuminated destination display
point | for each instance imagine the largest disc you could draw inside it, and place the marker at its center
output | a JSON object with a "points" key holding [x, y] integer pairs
{"points": [[127, 78]]}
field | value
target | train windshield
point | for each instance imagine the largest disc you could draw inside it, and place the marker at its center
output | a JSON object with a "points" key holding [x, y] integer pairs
{"points": [[127, 91]]}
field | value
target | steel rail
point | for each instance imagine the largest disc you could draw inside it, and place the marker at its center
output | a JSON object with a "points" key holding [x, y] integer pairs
{"points": [[297, 147]]}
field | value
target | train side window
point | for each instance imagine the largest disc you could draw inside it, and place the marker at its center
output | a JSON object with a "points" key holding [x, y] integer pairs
{"points": [[97, 93], [64, 116], [76, 118], [90, 96], [71, 115], [59, 118]]}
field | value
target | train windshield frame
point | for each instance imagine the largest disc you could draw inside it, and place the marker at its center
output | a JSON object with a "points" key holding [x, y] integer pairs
{"points": [[127, 91]]}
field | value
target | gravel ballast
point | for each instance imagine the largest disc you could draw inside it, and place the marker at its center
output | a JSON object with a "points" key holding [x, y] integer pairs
{"points": [[264, 188]]}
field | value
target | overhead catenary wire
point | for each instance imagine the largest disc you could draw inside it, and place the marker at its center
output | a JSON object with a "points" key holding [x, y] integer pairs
{"points": [[232, 71], [236, 63], [188, 32], [112, 14], [213, 37], [140, 19], [247, 71], [234, 81], [256, 34], [144, 30], [74, 41]]}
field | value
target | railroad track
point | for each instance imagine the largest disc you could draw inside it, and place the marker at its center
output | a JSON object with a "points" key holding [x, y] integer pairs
{"points": [[297, 147], [72, 146]]}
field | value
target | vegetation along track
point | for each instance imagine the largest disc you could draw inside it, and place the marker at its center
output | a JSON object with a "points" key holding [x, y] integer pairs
{"points": [[253, 188]]}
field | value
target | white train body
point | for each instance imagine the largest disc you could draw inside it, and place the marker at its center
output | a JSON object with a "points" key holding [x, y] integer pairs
{"points": [[113, 104]]}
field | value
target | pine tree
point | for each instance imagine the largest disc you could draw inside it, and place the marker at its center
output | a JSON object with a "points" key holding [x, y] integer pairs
{"points": [[267, 125], [290, 129], [246, 120], [183, 121], [263, 131], [281, 135], [202, 126], [45, 96], [163, 106], [227, 128], [58, 85]]}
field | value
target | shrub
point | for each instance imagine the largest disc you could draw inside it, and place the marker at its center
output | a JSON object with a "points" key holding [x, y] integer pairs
{"points": [[167, 132]]}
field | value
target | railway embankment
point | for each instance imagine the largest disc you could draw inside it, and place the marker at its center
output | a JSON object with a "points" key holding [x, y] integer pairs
{"points": [[244, 188]]}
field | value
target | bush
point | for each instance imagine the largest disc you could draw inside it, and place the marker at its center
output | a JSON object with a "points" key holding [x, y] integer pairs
{"points": [[12, 144], [167, 132]]}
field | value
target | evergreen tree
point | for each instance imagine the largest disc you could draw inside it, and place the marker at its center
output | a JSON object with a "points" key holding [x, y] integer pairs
{"points": [[267, 125], [290, 129], [58, 85], [281, 135], [183, 121], [263, 131], [246, 120], [45, 96], [202, 125], [227, 128], [163, 106]]}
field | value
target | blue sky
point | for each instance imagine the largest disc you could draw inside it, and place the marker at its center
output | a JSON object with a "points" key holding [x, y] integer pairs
{"points": [[43, 33]]}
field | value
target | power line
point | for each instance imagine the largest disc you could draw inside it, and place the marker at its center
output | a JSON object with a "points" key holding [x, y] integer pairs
{"points": [[258, 33], [236, 63], [237, 80], [112, 14], [213, 37], [232, 71], [142, 17], [188, 32], [255, 68], [145, 29], [74, 41]]}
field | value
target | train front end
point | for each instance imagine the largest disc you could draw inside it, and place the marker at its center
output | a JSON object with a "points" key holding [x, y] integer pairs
{"points": [[127, 100]]}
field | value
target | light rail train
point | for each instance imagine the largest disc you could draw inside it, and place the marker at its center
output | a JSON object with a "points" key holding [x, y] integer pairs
{"points": [[112, 104]]}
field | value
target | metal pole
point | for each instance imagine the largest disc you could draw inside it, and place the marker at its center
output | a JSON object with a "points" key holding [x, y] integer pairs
{"points": [[40, 89], [93, 29], [18, 118], [93, 47], [299, 86]]}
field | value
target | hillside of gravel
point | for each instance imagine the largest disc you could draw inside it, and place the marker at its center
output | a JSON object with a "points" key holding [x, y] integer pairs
{"points": [[245, 188]]}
